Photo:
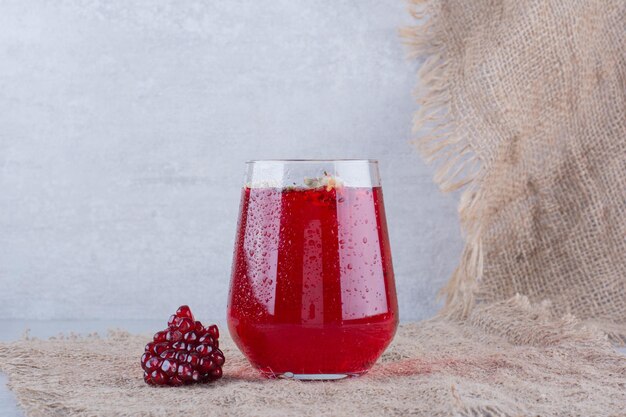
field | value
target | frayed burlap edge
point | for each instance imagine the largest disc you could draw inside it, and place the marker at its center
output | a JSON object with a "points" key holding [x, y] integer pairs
{"points": [[442, 142]]}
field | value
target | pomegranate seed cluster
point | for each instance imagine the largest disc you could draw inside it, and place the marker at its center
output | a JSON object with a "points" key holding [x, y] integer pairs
{"points": [[185, 353]]}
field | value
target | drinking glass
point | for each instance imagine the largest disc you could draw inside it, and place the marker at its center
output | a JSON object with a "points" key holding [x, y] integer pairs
{"points": [[312, 293]]}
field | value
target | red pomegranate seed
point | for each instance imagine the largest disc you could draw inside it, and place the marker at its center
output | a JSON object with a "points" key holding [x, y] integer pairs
{"points": [[156, 348], [186, 325], [158, 378], [193, 359], [190, 337], [175, 382], [173, 335], [214, 331], [168, 354], [195, 376], [184, 353], [169, 367], [206, 365], [144, 358], [152, 364], [207, 340], [160, 337], [204, 350], [180, 345], [185, 372], [185, 311], [216, 373], [218, 358]]}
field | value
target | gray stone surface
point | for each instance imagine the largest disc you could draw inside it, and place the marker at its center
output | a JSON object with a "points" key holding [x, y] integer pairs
{"points": [[124, 126], [8, 405]]}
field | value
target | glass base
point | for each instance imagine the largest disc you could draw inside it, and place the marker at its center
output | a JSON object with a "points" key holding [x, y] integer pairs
{"points": [[313, 377]]}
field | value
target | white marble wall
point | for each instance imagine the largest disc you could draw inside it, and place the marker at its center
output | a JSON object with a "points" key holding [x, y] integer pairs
{"points": [[124, 125]]}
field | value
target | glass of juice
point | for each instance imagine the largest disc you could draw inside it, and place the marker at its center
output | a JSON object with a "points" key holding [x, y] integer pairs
{"points": [[312, 292]]}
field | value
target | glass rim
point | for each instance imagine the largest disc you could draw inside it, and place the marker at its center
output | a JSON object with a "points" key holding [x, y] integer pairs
{"points": [[369, 161]]}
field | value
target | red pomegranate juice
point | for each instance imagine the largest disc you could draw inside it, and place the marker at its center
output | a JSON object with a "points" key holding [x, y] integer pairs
{"points": [[312, 288]]}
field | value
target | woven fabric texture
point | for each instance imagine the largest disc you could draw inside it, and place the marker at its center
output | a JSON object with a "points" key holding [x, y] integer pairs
{"points": [[505, 359], [524, 104]]}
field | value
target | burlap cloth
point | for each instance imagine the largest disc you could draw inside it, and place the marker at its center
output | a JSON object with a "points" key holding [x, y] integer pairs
{"points": [[524, 103], [524, 106], [505, 359]]}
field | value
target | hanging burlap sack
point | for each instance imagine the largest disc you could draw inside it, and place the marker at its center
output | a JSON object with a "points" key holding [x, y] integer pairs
{"points": [[524, 104]]}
